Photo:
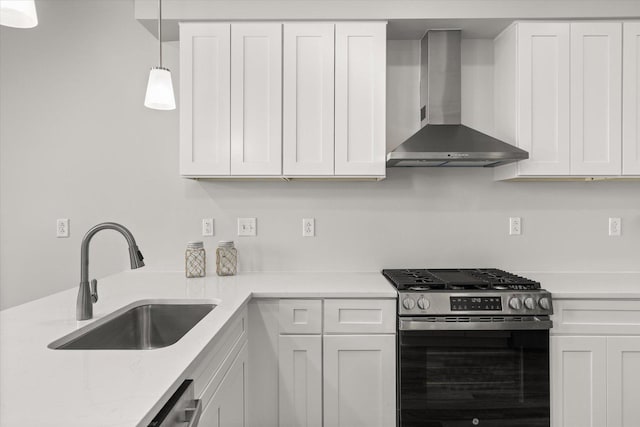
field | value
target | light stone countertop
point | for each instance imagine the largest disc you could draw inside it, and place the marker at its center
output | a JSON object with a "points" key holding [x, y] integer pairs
{"points": [[44, 387], [588, 285]]}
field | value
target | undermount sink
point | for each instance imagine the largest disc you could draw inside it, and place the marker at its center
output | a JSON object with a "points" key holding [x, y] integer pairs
{"points": [[142, 325]]}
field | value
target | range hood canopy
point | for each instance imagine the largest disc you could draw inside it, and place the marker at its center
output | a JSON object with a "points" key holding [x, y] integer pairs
{"points": [[443, 141]]}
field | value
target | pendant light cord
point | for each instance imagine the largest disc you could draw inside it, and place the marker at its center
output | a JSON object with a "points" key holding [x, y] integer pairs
{"points": [[160, 29]]}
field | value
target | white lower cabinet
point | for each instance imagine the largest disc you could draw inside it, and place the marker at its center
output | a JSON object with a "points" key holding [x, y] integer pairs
{"points": [[226, 408], [300, 392], [595, 374], [623, 381], [579, 381], [359, 380], [336, 379]]}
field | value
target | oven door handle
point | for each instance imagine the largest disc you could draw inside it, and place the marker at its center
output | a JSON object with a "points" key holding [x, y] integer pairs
{"points": [[417, 324]]}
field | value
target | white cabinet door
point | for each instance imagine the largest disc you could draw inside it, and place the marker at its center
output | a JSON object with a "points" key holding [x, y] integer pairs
{"points": [[631, 99], [543, 87], [205, 88], [359, 381], [227, 406], [308, 110], [300, 380], [578, 381], [596, 98], [360, 91], [623, 381], [256, 99]]}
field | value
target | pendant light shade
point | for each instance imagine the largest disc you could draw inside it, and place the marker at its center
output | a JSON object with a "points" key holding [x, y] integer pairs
{"points": [[159, 88], [18, 13]]}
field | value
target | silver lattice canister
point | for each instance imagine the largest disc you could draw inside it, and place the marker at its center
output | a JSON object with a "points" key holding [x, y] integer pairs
{"points": [[226, 259], [195, 260]]}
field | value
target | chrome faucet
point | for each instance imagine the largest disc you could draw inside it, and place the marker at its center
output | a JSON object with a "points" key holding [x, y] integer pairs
{"points": [[87, 296]]}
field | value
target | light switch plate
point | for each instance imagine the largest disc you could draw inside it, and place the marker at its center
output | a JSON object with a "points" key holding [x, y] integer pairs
{"points": [[247, 227]]}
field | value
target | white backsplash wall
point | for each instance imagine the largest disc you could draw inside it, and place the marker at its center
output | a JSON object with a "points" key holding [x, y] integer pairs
{"points": [[76, 142]]}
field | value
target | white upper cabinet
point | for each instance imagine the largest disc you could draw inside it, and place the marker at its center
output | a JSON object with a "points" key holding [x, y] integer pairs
{"points": [[205, 99], [532, 97], [360, 91], [596, 98], [631, 99], [559, 94], [256, 99], [308, 108], [267, 99]]}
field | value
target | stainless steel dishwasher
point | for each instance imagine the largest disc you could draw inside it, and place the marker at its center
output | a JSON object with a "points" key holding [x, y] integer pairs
{"points": [[181, 409]]}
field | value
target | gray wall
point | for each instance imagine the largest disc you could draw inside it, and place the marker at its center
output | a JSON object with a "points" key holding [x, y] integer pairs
{"points": [[76, 142]]}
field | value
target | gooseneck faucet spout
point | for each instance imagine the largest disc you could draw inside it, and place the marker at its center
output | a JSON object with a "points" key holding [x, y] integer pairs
{"points": [[88, 295]]}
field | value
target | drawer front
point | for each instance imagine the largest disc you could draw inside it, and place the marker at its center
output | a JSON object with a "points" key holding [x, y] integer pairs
{"points": [[300, 316], [374, 316], [618, 317]]}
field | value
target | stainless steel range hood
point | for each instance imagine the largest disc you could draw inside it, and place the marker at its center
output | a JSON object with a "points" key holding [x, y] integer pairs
{"points": [[443, 141]]}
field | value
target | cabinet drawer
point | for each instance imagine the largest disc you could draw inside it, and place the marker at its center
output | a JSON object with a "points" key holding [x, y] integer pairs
{"points": [[619, 317], [300, 316], [359, 316]]}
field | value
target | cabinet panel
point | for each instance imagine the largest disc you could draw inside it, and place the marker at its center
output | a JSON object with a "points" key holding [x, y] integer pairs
{"points": [[359, 316], [227, 406], [300, 379], [631, 99], [205, 91], [360, 103], [359, 380], [300, 316], [256, 105], [308, 106], [578, 381], [596, 98], [543, 85], [623, 381]]}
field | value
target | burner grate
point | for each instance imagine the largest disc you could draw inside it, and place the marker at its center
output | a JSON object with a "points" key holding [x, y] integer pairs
{"points": [[422, 280]]}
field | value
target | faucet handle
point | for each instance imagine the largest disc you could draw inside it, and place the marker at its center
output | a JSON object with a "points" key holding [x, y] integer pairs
{"points": [[94, 291]]}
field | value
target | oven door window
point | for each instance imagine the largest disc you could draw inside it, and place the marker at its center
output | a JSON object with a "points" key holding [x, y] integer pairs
{"points": [[474, 378]]}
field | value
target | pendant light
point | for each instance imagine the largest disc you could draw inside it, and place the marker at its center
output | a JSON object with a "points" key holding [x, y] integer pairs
{"points": [[18, 13], [159, 88]]}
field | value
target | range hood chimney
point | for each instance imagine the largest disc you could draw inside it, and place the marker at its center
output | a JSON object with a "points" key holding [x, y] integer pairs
{"points": [[443, 141]]}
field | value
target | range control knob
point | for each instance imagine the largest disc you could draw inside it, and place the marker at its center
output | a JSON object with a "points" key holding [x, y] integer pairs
{"points": [[515, 303], [530, 303], [423, 304], [408, 303], [544, 303]]}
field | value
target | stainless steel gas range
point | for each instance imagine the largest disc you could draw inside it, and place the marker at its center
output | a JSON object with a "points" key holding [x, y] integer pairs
{"points": [[473, 348]]}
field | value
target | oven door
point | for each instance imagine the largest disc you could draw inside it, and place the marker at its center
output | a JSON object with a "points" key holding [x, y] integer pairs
{"points": [[467, 374]]}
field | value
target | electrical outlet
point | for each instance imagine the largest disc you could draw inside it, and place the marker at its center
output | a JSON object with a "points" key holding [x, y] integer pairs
{"points": [[308, 227], [615, 226], [62, 227], [247, 227], [515, 226], [207, 226]]}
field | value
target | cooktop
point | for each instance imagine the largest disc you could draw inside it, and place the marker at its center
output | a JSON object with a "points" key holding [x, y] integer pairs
{"points": [[472, 279]]}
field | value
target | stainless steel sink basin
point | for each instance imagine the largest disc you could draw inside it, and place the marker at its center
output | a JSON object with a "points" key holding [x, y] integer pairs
{"points": [[142, 325]]}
